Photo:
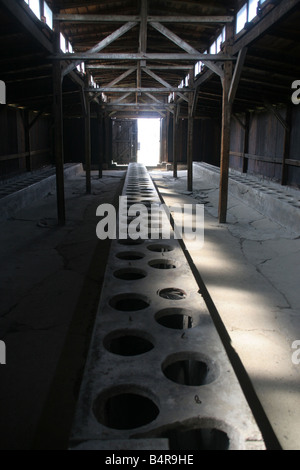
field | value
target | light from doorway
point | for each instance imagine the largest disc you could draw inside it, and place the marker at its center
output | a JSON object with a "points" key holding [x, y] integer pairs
{"points": [[148, 141]]}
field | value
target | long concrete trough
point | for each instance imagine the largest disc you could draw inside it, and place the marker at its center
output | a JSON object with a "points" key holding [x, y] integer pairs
{"points": [[280, 203], [26, 189], [157, 375]]}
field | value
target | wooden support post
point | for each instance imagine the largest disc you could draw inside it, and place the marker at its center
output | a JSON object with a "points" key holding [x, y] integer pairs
{"points": [[190, 137], [107, 124], [175, 127], [167, 134], [163, 140], [87, 126], [58, 130], [246, 142], [100, 140], [287, 144], [27, 139], [142, 45], [225, 138]]}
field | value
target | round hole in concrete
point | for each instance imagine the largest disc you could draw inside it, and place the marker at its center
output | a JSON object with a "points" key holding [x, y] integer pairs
{"points": [[128, 343], [176, 318], [160, 247], [197, 439], [163, 264], [189, 368], [130, 255], [125, 407], [130, 274], [129, 302], [172, 293]]}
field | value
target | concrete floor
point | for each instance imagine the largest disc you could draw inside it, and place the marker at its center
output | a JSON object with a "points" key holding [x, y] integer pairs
{"points": [[50, 283], [251, 270]]}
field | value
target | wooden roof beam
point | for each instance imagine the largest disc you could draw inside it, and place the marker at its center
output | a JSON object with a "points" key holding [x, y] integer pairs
{"points": [[136, 90], [151, 67], [118, 79], [82, 56], [102, 44], [90, 18], [119, 100], [185, 46], [162, 81], [237, 75]]}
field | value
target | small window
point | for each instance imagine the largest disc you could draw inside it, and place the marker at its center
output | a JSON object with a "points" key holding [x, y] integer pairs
{"points": [[212, 49], [34, 5], [219, 42], [63, 43], [224, 34], [171, 97], [48, 15], [198, 68], [252, 9], [2, 92], [241, 19]]}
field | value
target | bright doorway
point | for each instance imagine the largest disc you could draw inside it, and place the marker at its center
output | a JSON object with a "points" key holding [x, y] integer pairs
{"points": [[148, 141]]}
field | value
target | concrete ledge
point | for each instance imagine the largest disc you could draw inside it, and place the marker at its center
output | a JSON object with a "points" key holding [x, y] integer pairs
{"points": [[281, 204], [24, 197]]}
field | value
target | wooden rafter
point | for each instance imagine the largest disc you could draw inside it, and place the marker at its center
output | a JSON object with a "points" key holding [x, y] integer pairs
{"points": [[237, 74], [104, 43], [121, 98], [278, 116], [118, 79], [185, 46], [162, 81]]}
